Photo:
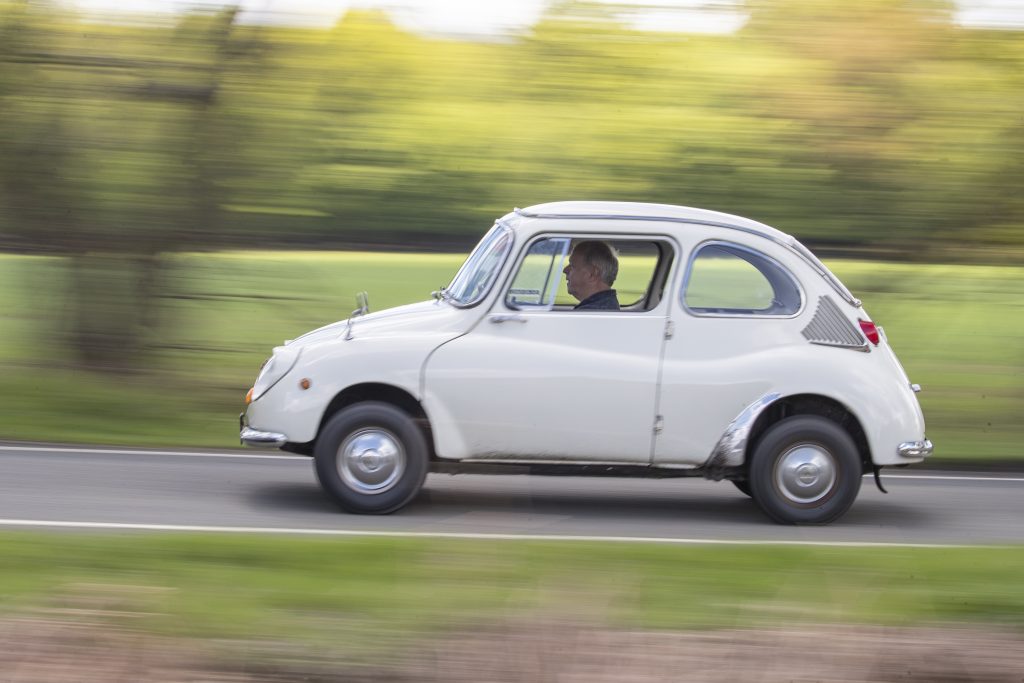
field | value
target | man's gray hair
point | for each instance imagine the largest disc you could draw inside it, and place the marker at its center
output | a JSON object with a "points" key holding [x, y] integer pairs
{"points": [[600, 255]]}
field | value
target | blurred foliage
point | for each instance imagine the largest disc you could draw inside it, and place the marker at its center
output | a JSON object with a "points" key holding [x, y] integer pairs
{"points": [[877, 123], [878, 128]]}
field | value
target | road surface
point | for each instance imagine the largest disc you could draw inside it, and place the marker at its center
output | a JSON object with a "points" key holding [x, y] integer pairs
{"points": [[261, 492]]}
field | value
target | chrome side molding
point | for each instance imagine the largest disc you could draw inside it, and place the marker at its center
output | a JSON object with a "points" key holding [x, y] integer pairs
{"points": [[731, 448]]}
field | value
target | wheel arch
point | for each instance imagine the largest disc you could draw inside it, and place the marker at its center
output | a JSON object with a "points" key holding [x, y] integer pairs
{"points": [[810, 404], [385, 393]]}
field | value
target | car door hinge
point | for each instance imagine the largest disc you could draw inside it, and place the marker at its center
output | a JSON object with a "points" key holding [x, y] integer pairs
{"points": [[659, 423], [670, 329]]}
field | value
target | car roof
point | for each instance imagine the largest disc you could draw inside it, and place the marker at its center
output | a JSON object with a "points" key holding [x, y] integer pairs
{"points": [[651, 212], [668, 213]]}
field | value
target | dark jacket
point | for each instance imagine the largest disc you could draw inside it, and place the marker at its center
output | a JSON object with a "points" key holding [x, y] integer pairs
{"points": [[606, 300]]}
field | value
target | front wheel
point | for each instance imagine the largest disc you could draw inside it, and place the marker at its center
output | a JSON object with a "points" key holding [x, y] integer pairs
{"points": [[805, 470], [371, 458]]}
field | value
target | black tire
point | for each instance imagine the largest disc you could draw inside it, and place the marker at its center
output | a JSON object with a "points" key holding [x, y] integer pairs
{"points": [[371, 458], [805, 470], [743, 485]]}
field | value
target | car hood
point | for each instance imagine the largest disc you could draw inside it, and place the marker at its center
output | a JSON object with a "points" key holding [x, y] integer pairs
{"points": [[426, 317]]}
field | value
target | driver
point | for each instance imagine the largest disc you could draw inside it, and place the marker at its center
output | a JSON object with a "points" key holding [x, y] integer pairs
{"points": [[593, 267]]}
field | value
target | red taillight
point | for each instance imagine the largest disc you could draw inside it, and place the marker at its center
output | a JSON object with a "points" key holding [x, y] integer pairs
{"points": [[870, 331]]}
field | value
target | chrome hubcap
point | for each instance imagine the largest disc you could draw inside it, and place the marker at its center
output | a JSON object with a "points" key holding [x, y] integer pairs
{"points": [[371, 461], [805, 473]]}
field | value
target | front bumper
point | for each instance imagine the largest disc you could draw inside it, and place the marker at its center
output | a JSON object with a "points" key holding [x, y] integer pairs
{"points": [[915, 449], [259, 439]]}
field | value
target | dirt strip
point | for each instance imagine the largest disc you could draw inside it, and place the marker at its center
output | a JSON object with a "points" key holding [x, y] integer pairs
{"points": [[40, 650]]}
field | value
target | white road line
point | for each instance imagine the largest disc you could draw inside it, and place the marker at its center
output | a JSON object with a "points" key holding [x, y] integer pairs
{"points": [[465, 536], [127, 451], [887, 477]]}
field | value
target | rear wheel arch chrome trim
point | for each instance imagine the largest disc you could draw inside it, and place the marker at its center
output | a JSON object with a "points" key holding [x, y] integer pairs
{"points": [[731, 449]]}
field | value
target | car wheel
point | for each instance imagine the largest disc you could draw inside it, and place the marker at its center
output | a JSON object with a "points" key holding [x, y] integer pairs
{"points": [[805, 470], [371, 458], [743, 485]]}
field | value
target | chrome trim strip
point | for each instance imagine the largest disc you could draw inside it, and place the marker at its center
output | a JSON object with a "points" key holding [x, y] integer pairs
{"points": [[541, 461], [863, 348], [731, 448], [259, 439], [581, 463], [915, 449], [795, 247]]}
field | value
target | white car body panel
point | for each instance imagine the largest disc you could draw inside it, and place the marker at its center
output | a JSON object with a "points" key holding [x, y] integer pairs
{"points": [[386, 348], [558, 386]]}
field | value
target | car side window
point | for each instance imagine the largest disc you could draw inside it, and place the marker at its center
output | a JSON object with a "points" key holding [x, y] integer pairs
{"points": [[539, 283], [536, 283], [729, 279]]}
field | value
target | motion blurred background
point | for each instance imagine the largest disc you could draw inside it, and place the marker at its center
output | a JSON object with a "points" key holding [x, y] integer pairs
{"points": [[183, 186]]}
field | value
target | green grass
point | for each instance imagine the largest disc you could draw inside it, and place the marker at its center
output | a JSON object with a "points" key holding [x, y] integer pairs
{"points": [[959, 331], [291, 588]]}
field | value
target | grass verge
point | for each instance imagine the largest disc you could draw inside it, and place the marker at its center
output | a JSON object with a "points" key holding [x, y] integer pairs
{"points": [[219, 586]]}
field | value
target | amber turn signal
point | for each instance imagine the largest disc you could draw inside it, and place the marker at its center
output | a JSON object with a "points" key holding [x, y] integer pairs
{"points": [[248, 397], [305, 383]]}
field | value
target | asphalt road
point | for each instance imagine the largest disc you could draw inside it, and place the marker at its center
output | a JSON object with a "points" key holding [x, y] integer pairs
{"points": [[63, 488]]}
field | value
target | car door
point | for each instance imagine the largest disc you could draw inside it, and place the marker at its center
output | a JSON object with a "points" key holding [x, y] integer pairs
{"points": [[735, 308], [536, 380]]}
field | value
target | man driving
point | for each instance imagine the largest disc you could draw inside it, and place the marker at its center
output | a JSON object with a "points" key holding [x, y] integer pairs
{"points": [[593, 267]]}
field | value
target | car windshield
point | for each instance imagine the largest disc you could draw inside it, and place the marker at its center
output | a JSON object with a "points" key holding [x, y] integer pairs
{"points": [[477, 274]]}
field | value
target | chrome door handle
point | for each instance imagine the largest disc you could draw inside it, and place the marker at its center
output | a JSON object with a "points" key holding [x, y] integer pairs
{"points": [[515, 318]]}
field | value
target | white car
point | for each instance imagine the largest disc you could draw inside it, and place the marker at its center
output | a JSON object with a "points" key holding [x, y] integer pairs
{"points": [[734, 354]]}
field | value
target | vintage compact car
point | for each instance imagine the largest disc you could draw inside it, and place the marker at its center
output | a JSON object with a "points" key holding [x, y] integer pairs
{"points": [[734, 354]]}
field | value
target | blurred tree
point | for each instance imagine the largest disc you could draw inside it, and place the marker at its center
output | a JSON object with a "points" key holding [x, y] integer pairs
{"points": [[847, 100], [111, 161]]}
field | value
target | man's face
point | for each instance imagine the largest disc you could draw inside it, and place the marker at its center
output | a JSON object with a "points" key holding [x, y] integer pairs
{"points": [[577, 276]]}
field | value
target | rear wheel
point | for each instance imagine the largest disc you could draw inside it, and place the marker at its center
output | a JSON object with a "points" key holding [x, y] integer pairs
{"points": [[805, 470], [371, 458]]}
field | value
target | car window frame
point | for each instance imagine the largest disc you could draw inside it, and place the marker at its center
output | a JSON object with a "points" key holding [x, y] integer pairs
{"points": [[744, 313], [668, 255], [505, 229]]}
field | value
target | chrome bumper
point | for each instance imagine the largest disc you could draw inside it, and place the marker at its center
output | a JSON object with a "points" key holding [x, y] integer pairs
{"points": [[254, 437], [915, 449]]}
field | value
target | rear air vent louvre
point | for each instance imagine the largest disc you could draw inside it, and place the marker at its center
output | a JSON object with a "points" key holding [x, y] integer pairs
{"points": [[830, 327]]}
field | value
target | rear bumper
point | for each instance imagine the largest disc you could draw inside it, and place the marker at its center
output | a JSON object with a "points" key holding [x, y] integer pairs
{"points": [[915, 449]]}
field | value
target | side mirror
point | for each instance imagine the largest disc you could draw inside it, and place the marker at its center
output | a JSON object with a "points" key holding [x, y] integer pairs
{"points": [[363, 301]]}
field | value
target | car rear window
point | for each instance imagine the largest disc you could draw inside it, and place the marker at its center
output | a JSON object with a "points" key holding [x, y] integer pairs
{"points": [[729, 279]]}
